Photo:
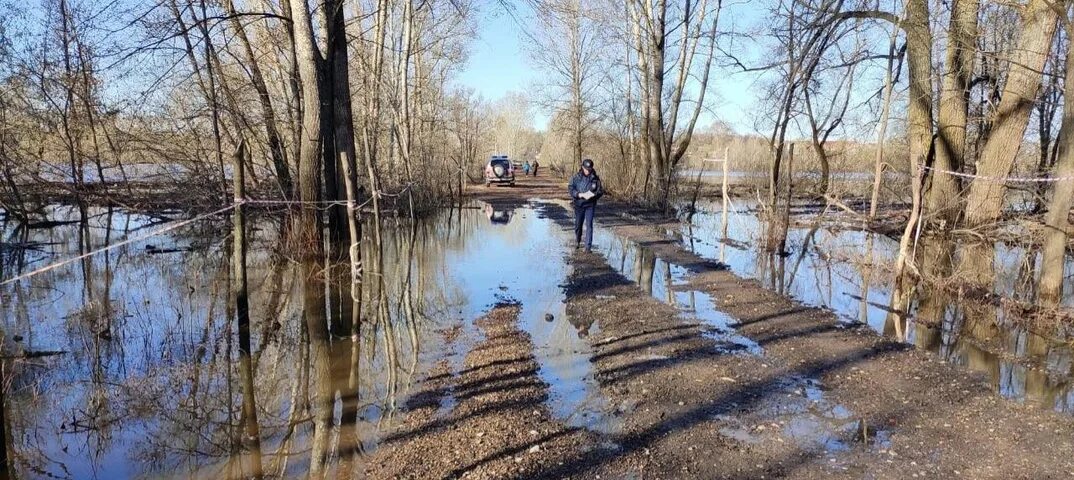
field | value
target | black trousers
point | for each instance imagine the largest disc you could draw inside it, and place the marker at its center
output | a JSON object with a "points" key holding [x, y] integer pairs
{"points": [[584, 214]]}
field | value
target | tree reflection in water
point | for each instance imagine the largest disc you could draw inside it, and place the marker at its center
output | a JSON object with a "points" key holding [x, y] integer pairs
{"points": [[848, 271], [163, 375]]}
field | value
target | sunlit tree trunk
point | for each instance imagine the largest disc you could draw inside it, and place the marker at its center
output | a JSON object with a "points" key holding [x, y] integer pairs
{"points": [[1057, 218], [309, 228], [984, 202], [919, 119], [952, 114]]}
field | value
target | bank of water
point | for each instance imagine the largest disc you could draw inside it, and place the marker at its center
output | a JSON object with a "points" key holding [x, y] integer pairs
{"points": [[126, 363], [147, 377], [848, 272]]}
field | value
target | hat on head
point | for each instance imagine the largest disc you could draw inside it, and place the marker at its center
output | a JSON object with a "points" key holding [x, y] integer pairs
{"points": [[587, 163]]}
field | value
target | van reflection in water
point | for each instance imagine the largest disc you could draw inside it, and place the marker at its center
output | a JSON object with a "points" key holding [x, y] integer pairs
{"points": [[498, 217]]}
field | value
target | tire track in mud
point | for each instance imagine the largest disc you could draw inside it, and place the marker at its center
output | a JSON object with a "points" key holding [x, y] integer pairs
{"points": [[500, 426], [941, 419]]}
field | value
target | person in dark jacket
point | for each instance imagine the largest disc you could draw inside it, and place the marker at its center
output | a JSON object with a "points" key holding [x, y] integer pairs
{"points": [[585, 189]]}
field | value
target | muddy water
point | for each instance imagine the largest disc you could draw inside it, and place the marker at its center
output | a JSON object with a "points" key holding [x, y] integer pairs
{"points": [[798, 412], [150, 378], [848, 272], [127, 364]]}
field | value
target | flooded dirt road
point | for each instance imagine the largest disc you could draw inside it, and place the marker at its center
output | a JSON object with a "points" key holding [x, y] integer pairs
{"points": [[480, 344]]}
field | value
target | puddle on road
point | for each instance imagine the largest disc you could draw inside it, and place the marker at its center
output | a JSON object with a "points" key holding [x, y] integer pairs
{"points": [[799, 412], [151, 382], [523, 255], [663, 281]]}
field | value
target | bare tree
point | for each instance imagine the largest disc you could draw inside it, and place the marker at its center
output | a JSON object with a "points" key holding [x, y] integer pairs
{"points": [[309, 173], [268, 110], [953, 109], [567, 47], [664, 76], [985, 198], [1057, 218]]}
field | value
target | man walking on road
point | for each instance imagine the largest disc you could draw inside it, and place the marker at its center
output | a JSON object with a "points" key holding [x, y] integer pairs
{"points": [[535, 165], [585, 189]]}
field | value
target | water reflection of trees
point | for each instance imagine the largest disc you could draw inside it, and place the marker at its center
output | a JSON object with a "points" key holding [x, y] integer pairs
{"points": [[175, 384], [954, 312]]}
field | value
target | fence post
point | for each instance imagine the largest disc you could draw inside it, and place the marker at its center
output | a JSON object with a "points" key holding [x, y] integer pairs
{"points": [[242, 303], [251, 437], [723, 191]]}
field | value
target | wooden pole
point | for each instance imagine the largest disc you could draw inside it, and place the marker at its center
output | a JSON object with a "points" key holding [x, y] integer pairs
{"points": [[787, 205], [251, 437], [238, 288], [723, 192]]}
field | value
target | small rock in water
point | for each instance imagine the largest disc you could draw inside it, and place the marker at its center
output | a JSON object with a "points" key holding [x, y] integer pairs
{"points": [[548, 317]]}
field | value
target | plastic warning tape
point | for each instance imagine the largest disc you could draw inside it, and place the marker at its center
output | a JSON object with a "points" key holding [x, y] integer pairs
{"points": [[1000, 179]]}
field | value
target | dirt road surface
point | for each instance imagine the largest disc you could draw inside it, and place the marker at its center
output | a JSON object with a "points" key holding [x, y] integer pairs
{"points": [[778, 390]]}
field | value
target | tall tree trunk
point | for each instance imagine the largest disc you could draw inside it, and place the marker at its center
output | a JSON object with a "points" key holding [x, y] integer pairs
{"points": [[951, 118], [72, 137], [919, 55], [984, 202], [657, 43], [1055, 241], [919, 118], [214, 101], [309, 60], [882, 133], [268, 112], [344, 129]]}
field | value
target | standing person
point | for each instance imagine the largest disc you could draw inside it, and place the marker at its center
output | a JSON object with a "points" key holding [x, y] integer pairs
{"points": [[526, 168], [536, 163], [585, 189]]}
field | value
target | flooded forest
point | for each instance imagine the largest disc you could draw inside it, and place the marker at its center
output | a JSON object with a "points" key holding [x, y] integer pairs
{"points": [[250, 239]]}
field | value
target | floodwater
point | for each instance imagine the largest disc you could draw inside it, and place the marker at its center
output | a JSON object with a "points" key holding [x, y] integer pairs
{"points": [[129, 363], [715, 173], [151, 381], [797, 410], [848, 272]]}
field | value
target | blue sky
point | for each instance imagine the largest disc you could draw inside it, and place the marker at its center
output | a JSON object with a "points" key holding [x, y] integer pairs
{"points": [[498, 64]]}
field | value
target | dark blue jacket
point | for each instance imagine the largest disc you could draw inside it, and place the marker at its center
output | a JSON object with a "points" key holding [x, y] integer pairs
{"points": [[581, 183]]}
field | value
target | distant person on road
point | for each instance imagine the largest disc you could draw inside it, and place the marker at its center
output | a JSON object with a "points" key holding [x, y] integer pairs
{"points": [[535, 165], [526, 168], [585, 189]]}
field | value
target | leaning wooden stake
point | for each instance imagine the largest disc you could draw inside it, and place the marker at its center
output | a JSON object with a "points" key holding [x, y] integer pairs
{"points": [[787, 206], [723, 192], [251, 438]]}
